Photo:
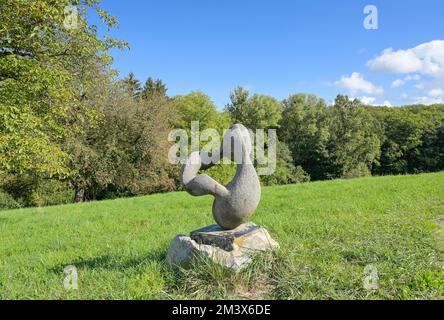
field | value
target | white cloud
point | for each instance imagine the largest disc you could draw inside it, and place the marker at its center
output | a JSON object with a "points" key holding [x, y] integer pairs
{"points": [[387, 103], [371, 101], [356, 83], [436, 93], [398, 83], [427, 58], [367, 100], [427, 100], [401, 61], [412, 77], [419, 86]]}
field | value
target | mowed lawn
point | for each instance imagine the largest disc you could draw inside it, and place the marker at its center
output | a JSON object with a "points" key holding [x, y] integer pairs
{"points": [[328, 232]]}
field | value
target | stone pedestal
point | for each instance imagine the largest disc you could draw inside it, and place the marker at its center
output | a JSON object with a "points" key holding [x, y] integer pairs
{"points": [[229, 248]]}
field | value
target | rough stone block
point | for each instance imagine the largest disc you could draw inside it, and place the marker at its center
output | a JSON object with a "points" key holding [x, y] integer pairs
{"points": [[230, 248]]}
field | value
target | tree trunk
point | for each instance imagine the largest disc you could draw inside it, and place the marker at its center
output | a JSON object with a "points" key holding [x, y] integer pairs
{"points": [[80, 195]]}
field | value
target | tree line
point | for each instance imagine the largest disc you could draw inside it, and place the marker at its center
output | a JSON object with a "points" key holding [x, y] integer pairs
{"points": [[71, 130]]}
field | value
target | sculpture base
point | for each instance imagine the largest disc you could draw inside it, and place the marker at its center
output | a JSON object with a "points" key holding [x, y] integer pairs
{"points": [[230, 248]]}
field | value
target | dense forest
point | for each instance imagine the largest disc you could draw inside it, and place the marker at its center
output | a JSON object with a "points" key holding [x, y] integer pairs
{"points": [[72, 130]]}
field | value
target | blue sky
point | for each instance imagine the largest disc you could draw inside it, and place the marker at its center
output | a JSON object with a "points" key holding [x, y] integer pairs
{"points": [[283, 47]]}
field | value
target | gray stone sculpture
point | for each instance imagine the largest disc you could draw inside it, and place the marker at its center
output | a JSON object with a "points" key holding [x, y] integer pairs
{"points": [[236, 202], [231, 242]]}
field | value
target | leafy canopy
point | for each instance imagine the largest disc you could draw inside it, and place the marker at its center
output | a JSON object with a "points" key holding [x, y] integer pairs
{"points": [[47, 71]]}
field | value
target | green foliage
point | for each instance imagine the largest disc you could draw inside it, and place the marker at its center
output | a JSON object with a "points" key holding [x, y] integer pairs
{"points": [[255, 112], [263, 112], [21, 188], [353, 139], [431, 157], [66, 122], [330, 142], [411, 139], [361, 170], [153, 88], [238, 106], [7, 201], [285, 172], [197, 106], [222, 173], [125, 154], [33, 191], [304, 128], [46, 71], [132, 84], [403, 132], [51, 192]]}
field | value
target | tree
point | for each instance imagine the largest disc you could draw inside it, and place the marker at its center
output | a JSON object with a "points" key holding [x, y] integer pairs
{"points": [[255, 112], [304, 127], [286, 172], [197, 106], [432, 151], [154, 88], [411, 139], [125, 154], [353, 146], [133, 85], [237, 107], [46, 73], [263, 112]]}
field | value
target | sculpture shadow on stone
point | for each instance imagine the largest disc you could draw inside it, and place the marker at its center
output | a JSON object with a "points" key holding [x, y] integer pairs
{"points": [[232, 241]]}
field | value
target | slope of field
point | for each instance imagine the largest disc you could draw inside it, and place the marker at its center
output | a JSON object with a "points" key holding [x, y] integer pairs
{"points": [[328, 231]]}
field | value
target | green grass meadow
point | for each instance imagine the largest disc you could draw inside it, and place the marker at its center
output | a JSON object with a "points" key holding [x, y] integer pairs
{"points": [[328, 233]]}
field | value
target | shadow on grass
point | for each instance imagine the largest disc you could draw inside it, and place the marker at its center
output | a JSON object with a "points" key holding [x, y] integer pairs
{"points": [[113, 262]]}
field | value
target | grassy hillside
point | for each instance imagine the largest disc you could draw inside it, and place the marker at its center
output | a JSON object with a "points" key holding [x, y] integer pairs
{"points": [[328, 232]]}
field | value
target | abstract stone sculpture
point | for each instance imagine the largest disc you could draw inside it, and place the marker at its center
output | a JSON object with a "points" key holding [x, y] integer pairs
{"points": [[232, 242], [236, 202]]}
